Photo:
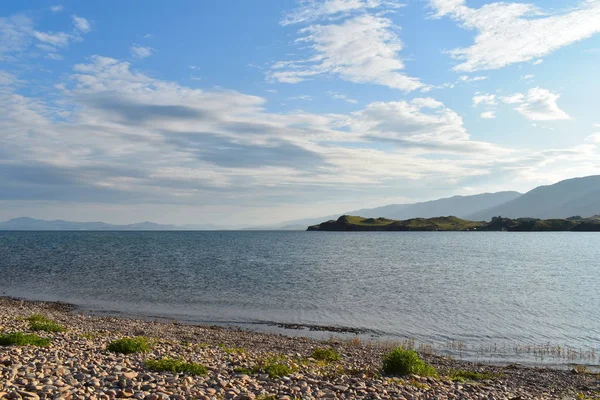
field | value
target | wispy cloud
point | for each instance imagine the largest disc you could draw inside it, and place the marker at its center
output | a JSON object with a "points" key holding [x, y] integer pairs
{"points": [[488, 115], [339, 96], [362, 49], [538, 105], [19, 38], [486, 99], [56, 39], [510, 33], [56, 8], [141, 51], [302, 97], [16, 34], [81, 24], [312, 10]]}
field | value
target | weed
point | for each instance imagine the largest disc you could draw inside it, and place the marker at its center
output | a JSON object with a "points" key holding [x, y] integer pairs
{"points": [[129, 345], [23, 339], [418, 385], [233, 350], [326, 354], [243, 370], [175, 366], [404, 362], [39, 322], [275, 367]]}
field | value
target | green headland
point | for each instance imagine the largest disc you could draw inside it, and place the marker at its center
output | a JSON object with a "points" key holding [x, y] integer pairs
{"points": [[451, 223]]}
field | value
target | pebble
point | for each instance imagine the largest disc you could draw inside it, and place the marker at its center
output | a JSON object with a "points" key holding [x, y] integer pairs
{"points": [[77, 366]]}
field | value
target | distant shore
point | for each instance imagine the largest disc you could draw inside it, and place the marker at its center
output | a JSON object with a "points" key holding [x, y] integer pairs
{"points": [[349, 223], [76, 364]]}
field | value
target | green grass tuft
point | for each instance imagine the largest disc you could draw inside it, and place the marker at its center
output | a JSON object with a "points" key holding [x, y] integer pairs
{"points": [[404, 362], [326, 354], [23, 339], [277, 370], [39, 322], [129, 345], [175, 366]]}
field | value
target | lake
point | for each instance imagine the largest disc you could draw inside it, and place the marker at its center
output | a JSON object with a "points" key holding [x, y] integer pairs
{"points": [[490, 296]]}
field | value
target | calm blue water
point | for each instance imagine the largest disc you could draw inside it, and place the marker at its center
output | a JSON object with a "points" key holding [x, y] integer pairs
{"points": [[482, 289]]}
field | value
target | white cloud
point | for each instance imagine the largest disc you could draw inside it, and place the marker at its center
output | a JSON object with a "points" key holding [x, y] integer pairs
{"points": [[56, 8], [312, 10], [513, 99], [594, 138], [363, 49], [141, 51], [466, 78], [510, 33], [15, 35], [540, 105], [528, 76], [81, 24], [538, 62], [486, 99], [58, 39], [6, 78], [488, 115], [339, 96], [302, 97], [19, 38]]}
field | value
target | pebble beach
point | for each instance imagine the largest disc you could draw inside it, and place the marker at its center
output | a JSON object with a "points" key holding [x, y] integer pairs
{"points": [[77, 365]]}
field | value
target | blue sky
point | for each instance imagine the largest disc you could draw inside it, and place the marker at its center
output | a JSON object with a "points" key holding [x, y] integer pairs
{"points": [[251, 112]]}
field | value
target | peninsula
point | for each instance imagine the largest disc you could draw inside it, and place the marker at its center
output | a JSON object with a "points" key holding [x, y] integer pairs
{"points": [[451, 223]]}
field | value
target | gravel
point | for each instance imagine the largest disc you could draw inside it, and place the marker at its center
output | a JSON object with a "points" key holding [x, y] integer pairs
{"points": [[77, 365]]}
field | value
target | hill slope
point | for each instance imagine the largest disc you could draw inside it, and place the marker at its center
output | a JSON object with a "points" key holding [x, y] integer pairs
{"points": [[353, 223], [456, 205], [350, 223], [460, 206], [578, 196]]}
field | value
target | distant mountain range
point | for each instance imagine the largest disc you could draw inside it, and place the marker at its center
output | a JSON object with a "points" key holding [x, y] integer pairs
{"points": [[572, 197], [31, 224]]}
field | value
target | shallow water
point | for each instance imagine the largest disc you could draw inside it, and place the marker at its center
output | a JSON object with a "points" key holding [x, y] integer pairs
{"points": [[492, 296]]}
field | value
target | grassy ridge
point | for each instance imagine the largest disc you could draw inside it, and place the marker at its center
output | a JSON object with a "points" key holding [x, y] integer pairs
{"points": [[451, 223]]}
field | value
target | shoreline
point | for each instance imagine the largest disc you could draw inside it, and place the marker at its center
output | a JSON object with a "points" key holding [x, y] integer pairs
{"points": [[228, 352]]}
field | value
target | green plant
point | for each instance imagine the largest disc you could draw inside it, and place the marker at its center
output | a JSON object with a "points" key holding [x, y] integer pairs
{"points": [[244, 370], [277, 370], [275, 367], [404, 362], [326, 354], [23, 339], [462, 375], [233, 350], [175, 366], [129, 345], [39, 322]]}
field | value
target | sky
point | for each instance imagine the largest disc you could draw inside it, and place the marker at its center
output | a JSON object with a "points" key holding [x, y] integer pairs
{"points": [[259, 111]]}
